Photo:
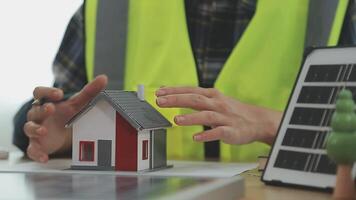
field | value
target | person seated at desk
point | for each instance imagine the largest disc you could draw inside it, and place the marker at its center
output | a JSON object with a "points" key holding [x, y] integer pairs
{"points": [[249, 51]]}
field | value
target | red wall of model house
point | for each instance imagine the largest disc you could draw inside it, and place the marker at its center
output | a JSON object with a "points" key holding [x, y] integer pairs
{"points": [[126, 145]]}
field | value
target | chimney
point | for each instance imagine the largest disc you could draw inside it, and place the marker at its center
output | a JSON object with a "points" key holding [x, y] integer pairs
{"points": [[141, 92]]}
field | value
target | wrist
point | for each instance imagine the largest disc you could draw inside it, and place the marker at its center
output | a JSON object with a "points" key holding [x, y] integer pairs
{"points": [[270, 126]]}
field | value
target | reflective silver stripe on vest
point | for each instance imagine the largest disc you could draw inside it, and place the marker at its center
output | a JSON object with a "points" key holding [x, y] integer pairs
{"points": [[320, 22], [110, 44]]}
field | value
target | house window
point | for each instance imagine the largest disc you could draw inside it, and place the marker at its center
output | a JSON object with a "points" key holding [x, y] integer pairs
{"points": [[86, 151], [144, 149]]}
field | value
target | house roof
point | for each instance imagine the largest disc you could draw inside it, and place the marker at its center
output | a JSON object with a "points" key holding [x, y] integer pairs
{"points": [[140, 114]]}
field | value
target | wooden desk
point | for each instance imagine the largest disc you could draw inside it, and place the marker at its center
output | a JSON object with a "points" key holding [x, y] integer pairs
{"points": [[256, 189]]}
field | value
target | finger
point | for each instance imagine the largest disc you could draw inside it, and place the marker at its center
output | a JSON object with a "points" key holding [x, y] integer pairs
{"points": [[39, 113], [193, 101], [33, 130], [48, 93], [220, 133], [208, 92], [207, 118], [35, 153], [89, 91]]}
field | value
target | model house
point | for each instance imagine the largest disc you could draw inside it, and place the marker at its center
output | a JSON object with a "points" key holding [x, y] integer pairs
{"points": [[118, 130]]}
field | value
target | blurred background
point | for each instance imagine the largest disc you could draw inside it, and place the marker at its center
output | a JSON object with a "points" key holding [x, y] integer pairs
{"points": [[30, 34]]}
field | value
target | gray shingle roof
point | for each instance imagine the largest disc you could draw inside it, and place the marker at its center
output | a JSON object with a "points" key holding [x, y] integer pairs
{"points": [[140, 114]]}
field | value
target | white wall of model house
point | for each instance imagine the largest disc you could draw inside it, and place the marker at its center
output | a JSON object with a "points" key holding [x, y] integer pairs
{"points": [[98, 123], [143, 164]]}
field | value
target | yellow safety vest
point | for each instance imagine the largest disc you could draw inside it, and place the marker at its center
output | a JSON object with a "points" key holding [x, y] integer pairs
{"points": [[261, 69]]}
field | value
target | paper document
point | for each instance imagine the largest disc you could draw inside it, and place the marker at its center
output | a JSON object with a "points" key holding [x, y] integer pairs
{"points": [[180, 168]]}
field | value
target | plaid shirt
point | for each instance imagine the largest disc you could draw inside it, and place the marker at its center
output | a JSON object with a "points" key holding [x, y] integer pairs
{"points": [[215, 26], [69, 65]]}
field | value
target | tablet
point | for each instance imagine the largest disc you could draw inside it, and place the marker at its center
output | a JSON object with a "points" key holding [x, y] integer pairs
{"points": [[298, 156]]}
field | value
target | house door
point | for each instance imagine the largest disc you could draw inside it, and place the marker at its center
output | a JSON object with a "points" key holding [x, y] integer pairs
{"points": [[104, 154]]}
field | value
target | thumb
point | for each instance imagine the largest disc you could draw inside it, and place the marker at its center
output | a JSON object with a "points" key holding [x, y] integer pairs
{"points": [[89, 91]]}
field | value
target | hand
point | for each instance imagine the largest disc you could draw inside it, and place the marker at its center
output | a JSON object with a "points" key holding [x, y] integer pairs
{"points": [[45, 123], [231, 121]]}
